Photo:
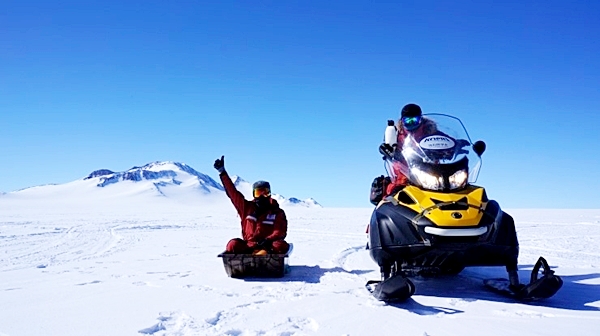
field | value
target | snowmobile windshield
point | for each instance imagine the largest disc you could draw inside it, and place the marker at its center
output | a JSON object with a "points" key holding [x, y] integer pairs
{"points": [[438, 155]]}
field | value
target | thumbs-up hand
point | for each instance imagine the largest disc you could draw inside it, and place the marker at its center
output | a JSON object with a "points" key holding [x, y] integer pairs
{"points": [[220, 164]]}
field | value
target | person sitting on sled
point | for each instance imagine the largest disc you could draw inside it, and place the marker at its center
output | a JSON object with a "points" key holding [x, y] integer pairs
{"points": [[264, 224], [411, 123]]}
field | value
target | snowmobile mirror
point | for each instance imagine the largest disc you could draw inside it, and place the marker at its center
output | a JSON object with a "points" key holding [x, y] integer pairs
{"points": [[479, 147]]}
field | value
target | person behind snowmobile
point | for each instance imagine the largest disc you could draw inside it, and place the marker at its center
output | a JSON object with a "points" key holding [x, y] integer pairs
{"points": [[413, 123], [264, 224]]}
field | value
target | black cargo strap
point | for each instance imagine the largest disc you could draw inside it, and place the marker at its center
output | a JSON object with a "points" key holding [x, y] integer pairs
{"points": [[426, 211]]}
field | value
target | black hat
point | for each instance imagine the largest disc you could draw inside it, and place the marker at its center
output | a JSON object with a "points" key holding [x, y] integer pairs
{"points": [[261, 184], [411, 110]]}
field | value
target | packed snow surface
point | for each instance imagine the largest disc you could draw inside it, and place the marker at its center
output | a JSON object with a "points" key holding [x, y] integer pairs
{"points": [[142, 264]]}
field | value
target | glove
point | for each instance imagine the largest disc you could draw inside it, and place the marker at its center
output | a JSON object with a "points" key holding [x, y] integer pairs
{"points": [[378, 182], [460, 143], [378, 188], [386, 150], [220, 164], [265, 244]]}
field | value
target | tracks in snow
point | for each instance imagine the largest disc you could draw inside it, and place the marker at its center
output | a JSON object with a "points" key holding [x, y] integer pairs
{"points": [[179, 323], [264, 299], [52, 243]]}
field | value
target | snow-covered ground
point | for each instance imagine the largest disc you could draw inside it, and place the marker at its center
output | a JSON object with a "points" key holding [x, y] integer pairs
{"points": [[141, 264]]}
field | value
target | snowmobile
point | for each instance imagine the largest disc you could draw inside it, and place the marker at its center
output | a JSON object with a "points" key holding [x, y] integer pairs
{"points": [[441, 222], [269, 265]]}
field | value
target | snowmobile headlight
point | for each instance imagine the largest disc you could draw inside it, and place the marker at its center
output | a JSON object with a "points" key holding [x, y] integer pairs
{"points": [[428, 181], [458, 179]]}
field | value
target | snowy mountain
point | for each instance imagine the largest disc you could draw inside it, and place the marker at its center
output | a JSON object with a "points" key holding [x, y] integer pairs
{"points": [[161, 174], [245, 188], [174, 180]]}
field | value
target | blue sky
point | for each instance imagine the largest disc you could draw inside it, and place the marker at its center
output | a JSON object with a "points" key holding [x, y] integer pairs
{"points": [[298, 92]]}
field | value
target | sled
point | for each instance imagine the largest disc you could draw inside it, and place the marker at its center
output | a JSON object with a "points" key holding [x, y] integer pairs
{"points": [[271, 265]]}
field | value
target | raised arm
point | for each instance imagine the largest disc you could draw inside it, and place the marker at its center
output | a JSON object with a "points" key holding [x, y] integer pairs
{"points": [[236, 197]]}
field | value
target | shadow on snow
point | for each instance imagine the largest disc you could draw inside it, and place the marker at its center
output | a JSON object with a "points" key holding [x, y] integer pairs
{"points": [[420, 309], [308, 274], [468, 286]]}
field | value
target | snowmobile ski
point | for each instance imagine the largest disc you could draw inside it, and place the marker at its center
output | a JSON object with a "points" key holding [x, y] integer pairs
{"points": [[537, 289], [393, 289]]}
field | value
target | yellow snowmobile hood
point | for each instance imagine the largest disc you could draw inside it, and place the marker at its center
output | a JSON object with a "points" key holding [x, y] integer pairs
{"points": [[459, 208]]}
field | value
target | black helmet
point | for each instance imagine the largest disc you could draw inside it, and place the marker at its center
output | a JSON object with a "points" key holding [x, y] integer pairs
{"points": [[411, 110], [261, 188], [261, 184]]}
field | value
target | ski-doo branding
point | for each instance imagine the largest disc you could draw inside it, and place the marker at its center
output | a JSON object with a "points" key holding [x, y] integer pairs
{"points": [[436, 142]]}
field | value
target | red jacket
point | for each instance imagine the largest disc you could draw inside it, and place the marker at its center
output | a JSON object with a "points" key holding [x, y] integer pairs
{"points": [[270, 225]]}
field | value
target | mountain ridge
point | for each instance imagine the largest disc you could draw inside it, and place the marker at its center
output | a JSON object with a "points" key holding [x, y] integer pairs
{"points": [[160, 178]]}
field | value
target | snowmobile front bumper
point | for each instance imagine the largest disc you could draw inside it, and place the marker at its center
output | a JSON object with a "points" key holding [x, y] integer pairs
{"points": [[395, 237]]}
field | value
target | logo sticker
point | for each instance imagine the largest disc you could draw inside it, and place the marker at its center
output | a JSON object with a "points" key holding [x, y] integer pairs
{"points": [[437, 142]]}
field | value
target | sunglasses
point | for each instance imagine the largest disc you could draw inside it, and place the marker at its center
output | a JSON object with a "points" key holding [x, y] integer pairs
{"points": [[411, 123], [266, 192]]}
